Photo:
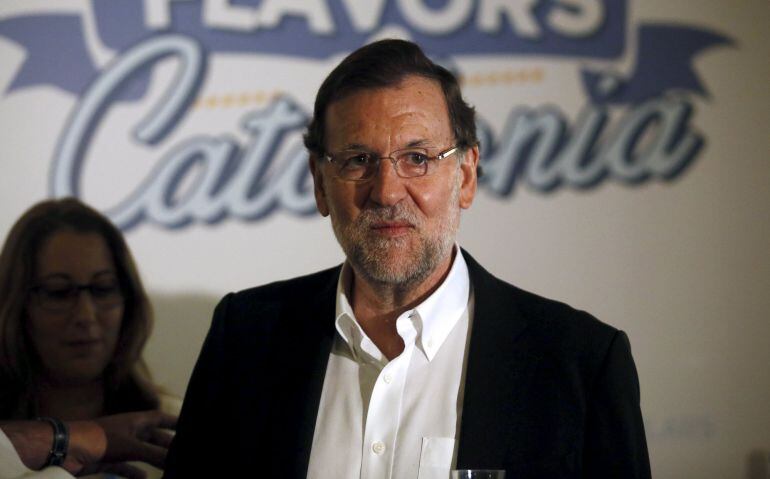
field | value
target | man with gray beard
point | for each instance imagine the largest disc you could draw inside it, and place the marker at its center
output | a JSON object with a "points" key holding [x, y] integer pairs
{"points": [[409, 360]]}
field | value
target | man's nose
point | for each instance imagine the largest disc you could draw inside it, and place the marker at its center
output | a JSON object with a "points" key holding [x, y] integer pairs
{"points": [[387, 187]]}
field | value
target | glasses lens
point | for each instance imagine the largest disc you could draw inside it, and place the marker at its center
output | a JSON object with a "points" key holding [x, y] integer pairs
{"points": [[354, 165], [412, 162]]}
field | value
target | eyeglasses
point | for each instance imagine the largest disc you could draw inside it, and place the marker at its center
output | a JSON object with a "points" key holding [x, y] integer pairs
{"points": [[356, 165], [62, 296]]}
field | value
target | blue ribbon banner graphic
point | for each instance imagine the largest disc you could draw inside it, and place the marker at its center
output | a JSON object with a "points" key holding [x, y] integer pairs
{"points": [[538, 147]]}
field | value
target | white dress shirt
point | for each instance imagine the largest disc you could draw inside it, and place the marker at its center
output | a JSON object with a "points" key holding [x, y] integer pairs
{"points": [[395, 419]]}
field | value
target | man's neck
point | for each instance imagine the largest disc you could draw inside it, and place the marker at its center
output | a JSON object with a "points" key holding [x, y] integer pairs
{"points": [[377, 306]]}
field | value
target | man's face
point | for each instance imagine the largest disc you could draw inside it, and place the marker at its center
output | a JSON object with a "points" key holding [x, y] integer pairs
{"points": [[395, 230]]}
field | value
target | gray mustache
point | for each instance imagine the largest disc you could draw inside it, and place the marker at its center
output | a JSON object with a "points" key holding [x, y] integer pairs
{"points": [[373, 215]]}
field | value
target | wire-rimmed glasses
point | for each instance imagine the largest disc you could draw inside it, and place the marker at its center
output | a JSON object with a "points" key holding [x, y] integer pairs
{"points": [[358, 165]]}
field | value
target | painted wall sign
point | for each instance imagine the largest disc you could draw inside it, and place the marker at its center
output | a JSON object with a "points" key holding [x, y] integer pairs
{"points": [[633, 129]]}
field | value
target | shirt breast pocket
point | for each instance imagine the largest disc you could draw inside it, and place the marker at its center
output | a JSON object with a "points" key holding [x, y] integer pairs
{"points": [[436, 457]]}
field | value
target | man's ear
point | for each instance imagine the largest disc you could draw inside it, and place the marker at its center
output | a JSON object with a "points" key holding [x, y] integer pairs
{"points": [[468, 170], [318, 185]]}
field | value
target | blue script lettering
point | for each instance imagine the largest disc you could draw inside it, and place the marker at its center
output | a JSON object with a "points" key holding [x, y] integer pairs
{"points": [[227, 181], [207, 178], [71, 149], [652, 140]]}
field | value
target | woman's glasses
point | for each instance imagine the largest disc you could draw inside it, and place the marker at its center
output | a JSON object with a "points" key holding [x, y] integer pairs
{"points": [[61, 296]]}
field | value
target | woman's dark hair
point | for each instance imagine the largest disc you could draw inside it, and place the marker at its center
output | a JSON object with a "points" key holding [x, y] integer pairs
{"points": [[127, 383], [385, 64]]}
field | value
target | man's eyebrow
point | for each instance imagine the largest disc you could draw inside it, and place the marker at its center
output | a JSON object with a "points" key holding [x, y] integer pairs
{"points": [[356, 146], [418, 142]]}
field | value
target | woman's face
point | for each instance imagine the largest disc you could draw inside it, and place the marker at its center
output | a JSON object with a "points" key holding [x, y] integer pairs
{"points": [[75, 308]]}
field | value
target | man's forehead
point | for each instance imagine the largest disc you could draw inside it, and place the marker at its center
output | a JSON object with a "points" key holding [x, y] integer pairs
{"points": [[415, 102], [408, 85]]}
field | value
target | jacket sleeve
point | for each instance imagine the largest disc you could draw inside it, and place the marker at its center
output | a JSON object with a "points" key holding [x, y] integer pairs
{"points": [[615, 444]]}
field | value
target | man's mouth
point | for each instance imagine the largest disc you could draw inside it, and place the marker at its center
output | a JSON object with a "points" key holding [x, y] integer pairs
{"points": [[392, 229]]}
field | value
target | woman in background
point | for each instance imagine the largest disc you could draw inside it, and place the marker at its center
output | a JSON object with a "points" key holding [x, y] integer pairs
{"points": [[74, 318]]}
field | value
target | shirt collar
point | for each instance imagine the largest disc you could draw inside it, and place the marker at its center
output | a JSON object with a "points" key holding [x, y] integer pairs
{"points": [[345, 323], [437, 314]]}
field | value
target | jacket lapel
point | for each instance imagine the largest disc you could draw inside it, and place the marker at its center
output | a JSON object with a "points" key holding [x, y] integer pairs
{"points": [[318, 361], [309, 330], [499, 367]]}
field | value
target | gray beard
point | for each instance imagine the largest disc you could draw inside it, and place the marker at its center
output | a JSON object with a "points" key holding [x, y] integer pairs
{"points": [[369, 258], [376, 268]]}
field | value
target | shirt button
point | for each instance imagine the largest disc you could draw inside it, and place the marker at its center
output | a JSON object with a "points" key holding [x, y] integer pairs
{"points": [[378, 447], [387, 378]]}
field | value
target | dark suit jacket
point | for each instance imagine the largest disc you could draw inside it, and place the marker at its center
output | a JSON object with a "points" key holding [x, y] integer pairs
{"points": [[550, 392]]}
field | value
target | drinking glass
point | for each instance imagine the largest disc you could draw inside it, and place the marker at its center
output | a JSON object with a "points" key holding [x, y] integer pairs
{"points": [[478, 474]]}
